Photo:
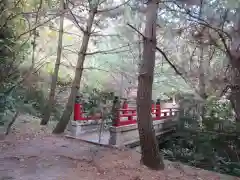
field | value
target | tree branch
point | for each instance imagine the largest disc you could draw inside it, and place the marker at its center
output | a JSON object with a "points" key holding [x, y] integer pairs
{"points": [[109, 51], [225, 45], [38, 25], [75, 21], [197, 19], [106, 52], [167, 59], [113, 8]]}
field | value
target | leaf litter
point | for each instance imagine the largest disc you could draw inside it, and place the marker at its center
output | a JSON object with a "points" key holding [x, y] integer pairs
{"points": [[33, 153]]}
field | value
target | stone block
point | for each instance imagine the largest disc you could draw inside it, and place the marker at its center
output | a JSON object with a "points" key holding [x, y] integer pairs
{"points": [[76, 128], [125, 135]]}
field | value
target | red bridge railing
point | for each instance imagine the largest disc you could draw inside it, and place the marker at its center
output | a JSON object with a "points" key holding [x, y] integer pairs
{"points": [[125, 115]]}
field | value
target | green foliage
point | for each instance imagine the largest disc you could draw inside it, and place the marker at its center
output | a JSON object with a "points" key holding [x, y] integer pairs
{"points": [[11, 55], [32, 100], [220, 109], [210, 144], [94, 98], [218, 114], [189, 110], [207, 150], [8, 61], [36, 98], [6, 107], [97, 101], [20, 99]]}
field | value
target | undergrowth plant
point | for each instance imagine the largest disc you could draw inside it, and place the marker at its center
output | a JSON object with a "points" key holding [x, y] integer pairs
{"points": [[213, 145]]}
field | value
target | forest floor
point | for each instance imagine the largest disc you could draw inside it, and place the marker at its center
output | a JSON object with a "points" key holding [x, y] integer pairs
{"points": [[30, 152]]}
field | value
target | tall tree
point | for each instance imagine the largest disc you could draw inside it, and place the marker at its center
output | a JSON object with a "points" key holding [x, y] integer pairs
{"points": [[224, 27], [35, 35], [94, 9], [234, 59], [150, 153], [50, 103], [62, 124]]}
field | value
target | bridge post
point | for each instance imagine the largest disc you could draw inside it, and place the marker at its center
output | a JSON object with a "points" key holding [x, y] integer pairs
{"points": [[153, 111], [77, 109], [153, 107], [158, 109], [125, 106], [73, 125]]}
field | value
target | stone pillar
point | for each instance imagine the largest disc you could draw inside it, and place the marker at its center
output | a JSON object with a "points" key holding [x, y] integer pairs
{"points": [[122, 135], [128, 134], [115, 137], [69, 128]]}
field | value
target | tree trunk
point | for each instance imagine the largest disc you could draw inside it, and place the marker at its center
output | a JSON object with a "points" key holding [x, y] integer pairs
{"points": [[50, 104], [234, 57], [150, 153], [202, 83], [62, 124], [35, 33], [235, 88], [115, 109], [11, 123]]}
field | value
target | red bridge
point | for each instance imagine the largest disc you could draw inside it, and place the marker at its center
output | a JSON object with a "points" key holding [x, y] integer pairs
{"points": [[123, 129], [126, 115]]}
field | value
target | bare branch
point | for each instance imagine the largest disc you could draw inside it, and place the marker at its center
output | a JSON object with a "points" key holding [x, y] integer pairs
{"points": [[135, 29], [76, 21], [66, 32], [113, 8], [211, 54], [106, 52], [197, 19], [38, 25], [105, 35], [167, 59], [225, 45], [110, 51], [40, 66], [72, 51], [193, 53], [84, 68]]}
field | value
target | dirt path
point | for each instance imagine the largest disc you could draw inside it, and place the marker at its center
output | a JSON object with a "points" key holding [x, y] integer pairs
{"points": [[42, 158], [38, 155], [54, 158]]}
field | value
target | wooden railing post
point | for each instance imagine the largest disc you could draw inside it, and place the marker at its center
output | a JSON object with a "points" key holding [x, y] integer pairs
{"points": [[158, 110], [125, 107], [77, 109], [153, 107]]}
